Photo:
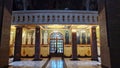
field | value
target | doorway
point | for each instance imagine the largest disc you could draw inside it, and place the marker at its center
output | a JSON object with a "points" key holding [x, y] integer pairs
{"points": [[56, 44]]}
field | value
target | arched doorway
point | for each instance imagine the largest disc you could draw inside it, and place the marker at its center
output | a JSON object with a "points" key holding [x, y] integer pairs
{"points": [[56, 44]]}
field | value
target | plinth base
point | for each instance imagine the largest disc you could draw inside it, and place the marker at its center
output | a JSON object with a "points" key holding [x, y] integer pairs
{"points": [[37, 59], [94, 59], [75, 59], [16, 59]]}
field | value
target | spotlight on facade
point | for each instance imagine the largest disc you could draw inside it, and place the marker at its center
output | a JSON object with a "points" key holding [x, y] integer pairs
{"points": [[74, 30]]}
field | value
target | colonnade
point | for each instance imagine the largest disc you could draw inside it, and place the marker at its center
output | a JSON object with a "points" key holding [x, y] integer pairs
{"points": [[18, 43]]}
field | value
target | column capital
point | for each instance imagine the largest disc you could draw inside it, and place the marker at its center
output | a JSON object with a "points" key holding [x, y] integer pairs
{"points": [[93, 26], [18, 26], [37, 26]]}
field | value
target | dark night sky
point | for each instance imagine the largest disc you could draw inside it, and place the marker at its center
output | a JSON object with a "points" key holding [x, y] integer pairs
{"points": [[51, 4]]}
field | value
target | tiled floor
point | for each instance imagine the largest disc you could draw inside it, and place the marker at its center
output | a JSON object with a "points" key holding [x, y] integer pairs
{"points": [[82, 63], [27, 63], [55, 62]]}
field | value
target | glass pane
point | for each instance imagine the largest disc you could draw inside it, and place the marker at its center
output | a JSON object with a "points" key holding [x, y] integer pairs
{"points": [[66, 37], [56, 35], [59, 50], [52, 46], [83, 38], [56, 45], [59, 46]]}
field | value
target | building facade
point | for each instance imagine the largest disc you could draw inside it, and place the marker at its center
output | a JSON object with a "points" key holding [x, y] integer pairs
{"points": [[109, 32], [55, 21]]}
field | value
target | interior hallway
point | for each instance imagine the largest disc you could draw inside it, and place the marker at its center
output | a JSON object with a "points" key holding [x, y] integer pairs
{"points": [[56, 62]]}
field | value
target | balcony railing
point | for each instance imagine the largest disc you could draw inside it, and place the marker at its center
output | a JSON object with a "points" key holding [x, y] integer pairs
{"points": [[54, 17]]}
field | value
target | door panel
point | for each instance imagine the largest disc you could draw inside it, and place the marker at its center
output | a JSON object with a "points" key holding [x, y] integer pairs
{"points": [[56, 47], [56, 44], [52, 46], [59, 46]]}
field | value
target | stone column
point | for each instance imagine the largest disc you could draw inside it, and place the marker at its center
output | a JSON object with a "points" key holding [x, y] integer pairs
{"points": [[74, 45], [109, 20], [37, 43], [94, 52], [5, 22], [18, 43]]}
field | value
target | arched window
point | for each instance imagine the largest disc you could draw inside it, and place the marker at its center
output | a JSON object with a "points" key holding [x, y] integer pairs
{"points": [[56, 43], [78, 37], [56, 35], [83, 37], [45, 37], [66, 37], [88, 38]]}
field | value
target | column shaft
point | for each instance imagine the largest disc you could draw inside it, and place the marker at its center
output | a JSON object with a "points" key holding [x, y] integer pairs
{"points": [[94, 44], [74, 46], [37, 43], [18, 43]]}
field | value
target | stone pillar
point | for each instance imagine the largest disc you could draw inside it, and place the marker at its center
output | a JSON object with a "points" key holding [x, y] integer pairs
{"points": [[109, 20], [18, 43], [37, 43], [94, 52], [5, 22], [74, 45]]}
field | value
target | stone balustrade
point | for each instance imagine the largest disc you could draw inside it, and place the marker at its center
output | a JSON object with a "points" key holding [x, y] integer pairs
{"points": [[54, 17]]}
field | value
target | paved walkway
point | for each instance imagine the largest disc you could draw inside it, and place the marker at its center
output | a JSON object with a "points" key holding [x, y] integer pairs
{"points": [[55, 62], [82, 63]]}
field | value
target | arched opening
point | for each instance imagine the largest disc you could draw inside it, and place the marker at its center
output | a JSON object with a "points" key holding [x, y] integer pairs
{"points": [[56, 44]]}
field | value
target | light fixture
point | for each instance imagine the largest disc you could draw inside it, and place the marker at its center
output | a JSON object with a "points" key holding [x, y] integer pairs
{"points": [[74, 30]]}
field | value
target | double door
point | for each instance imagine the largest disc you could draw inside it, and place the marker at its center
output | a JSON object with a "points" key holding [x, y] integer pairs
{"points": [[56, 47]]}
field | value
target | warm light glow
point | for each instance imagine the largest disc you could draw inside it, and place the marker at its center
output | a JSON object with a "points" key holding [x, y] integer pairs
{"points": [[55, 26], [74, 30], [81, 26], [97, 27], [12, 27], [55, 31], [82, 31], [12, 32], [24, 34]]}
